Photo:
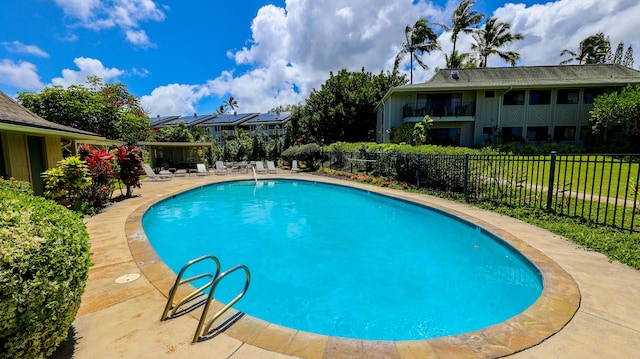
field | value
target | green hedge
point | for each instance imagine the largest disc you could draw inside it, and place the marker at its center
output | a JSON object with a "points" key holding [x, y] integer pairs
{"points": [[44, 264]]}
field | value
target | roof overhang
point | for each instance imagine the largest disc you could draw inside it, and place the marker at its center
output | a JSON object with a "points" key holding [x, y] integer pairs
{"points": [[39, 131]]}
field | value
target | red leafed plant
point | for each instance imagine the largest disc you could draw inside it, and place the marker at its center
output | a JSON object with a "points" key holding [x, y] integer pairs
{"points": [[101, 165], [130, 164]]}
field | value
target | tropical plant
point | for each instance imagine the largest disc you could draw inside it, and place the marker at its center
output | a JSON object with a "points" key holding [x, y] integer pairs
{"points": [[462, 20], [620, 108], [102, 167], [221, 110], [231, 103], [130, 163], [421, 129], [459, 60], [491, 38], [66, 182], [420, 38], [594, 49]]}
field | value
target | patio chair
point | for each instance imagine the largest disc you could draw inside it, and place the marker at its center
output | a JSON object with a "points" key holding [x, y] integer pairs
{"points": [[180, 173], [260, 167], [152, 176], [221, 169], [294, 166], [271, 167], [202, 170]]}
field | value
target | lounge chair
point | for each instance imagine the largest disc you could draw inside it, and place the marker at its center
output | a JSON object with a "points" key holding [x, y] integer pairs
{"points": [[260, 167], [180, 173], [271, 167], [201, 170], [221, 169], [294, 166], [152, 176]]}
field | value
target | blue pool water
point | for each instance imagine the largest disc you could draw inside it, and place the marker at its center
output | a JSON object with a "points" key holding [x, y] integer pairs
{"points": [[345, 262]]}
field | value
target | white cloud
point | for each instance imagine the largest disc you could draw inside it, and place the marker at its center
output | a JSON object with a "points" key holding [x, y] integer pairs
{"points": [[21, 75], [297, 46], [139, 38], [107, 14], [86, 67], [571, 21], [20, 48], [174, 99]]}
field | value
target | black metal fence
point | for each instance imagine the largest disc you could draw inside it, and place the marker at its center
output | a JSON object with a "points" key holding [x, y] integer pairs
{"points": [[599, 188]]}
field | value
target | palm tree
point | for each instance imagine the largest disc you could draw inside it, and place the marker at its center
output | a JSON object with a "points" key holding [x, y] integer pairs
{"points": [[459, 60], [491, 38], [221, 110], [420, 39], [594, 49], [461, 21], [231, 103]]}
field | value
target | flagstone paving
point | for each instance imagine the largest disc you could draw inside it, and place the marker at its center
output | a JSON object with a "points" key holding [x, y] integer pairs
{"points": [[588, 309]]}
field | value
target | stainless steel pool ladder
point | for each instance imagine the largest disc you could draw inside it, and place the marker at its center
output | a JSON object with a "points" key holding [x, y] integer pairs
{"points": [[213, 283]]}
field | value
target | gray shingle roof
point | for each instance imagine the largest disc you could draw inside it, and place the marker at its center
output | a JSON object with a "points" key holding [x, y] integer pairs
{"points": [[13, 113], [531, 76]]}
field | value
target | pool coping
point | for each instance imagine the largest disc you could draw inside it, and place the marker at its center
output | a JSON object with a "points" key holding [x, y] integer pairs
{"points": [[556, 306]]}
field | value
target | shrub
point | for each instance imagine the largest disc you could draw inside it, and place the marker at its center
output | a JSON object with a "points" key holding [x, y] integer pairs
{"points": [[101, 165], [65, 183], [44, 264], [130, 164]]}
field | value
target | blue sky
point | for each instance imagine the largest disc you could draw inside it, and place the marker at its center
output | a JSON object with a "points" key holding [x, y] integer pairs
{"points": [[181, 57]]}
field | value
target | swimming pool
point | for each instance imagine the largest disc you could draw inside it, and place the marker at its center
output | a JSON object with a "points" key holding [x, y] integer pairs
{"points": [[346, 262]]}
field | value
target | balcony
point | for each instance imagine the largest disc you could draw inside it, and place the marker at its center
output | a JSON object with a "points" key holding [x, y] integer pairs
{"points": [[439, 110]]}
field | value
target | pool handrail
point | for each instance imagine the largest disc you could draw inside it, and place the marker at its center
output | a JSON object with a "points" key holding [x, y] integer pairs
{"points": [[217, 280], [179, 281]]}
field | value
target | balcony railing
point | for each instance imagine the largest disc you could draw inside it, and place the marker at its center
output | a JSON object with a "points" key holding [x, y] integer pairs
{"points": [[440, 110]]}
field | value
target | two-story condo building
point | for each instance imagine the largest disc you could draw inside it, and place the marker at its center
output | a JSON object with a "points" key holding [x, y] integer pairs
{"points": [[535, 104]]}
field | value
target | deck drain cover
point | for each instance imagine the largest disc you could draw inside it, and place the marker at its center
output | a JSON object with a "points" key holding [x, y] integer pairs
{"points": [[128, 278]]}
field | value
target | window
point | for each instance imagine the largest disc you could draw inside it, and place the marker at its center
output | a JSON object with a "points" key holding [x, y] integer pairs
{"points": [[513, 98], [444, 104], [487, 130], [489, 94], [591, 94], [564, 133], [511, 134], [421, 103], [445, 136], [539, 97], [568, 97], [538, 133]]}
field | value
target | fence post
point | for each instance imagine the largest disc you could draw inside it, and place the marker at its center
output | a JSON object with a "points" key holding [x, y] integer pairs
{"points": [[418, 174], [466, 175], [552, 174]]}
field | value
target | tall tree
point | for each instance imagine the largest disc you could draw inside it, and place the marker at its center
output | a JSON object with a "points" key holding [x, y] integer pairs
{"points": [[231, 103], [462, 20], [221, 110], [459, 60], [420, 38], [491, 38], [617, 57], [344, 107], [106, 109], [594, 49], [628, 58]]}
